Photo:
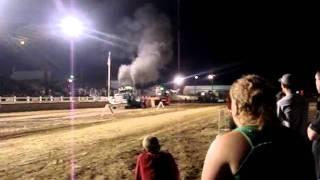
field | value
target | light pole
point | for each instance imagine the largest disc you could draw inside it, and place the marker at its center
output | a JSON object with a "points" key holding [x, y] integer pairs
{"points": [[210, 77], [109, 71], [72, 27], [195, 85]]}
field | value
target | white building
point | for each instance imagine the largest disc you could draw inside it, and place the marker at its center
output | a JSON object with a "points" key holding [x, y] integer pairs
{"points": [[195, 90]]}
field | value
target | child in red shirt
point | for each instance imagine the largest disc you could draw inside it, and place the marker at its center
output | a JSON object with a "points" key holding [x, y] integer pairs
{"points": [[153, 164]]}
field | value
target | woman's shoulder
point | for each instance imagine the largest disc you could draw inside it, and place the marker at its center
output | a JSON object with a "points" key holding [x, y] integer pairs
{"points": [[229, 139], [232, 140], [229, 148], [232, 144]]}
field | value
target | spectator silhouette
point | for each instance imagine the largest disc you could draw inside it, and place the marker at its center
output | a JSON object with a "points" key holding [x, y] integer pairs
{"points": [[292, 109], [153, 164]]}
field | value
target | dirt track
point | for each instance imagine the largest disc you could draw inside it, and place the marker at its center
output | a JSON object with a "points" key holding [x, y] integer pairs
{"points": [[105, 148]]}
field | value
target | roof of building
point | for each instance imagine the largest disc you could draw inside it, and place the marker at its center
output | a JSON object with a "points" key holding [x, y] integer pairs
{"points": [[28, 75]]}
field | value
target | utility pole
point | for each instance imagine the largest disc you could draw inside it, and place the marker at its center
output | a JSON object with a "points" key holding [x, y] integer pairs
{"points": [[109, 71]]}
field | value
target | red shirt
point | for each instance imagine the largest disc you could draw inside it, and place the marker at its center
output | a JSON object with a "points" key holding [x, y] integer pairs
{"points": [[156, 166]]}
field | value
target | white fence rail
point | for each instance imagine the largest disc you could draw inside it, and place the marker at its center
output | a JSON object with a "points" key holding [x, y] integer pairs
{"points": [[51, 99]]}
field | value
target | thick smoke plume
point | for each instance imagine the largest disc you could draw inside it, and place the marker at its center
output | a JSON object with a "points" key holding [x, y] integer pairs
{"points": [[124, 73], [152, 31]]}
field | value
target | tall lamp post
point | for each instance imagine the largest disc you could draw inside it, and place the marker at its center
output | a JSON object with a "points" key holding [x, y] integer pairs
{"points": [[109, 71], [210, 77], [72, 27], [195, 85]]}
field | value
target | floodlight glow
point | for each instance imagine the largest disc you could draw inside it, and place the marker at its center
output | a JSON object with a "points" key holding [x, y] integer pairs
{"points": [[196, 77], [211, 76], [178, 80], [71, 26], [22, 42]]}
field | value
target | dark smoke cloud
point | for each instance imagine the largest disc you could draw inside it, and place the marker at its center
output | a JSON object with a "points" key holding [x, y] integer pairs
{"points": [[152, 32]]}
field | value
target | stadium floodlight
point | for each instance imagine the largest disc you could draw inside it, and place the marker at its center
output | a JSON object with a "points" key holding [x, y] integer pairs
{"points": [[178, 80], [196, 77], [71, 79], [211, 76], [71, 26]]}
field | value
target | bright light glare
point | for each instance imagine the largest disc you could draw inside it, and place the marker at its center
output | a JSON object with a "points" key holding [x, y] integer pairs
{"points": [[211, 76], [71, 26], [196, 77], [178, 80], [22, 42]]}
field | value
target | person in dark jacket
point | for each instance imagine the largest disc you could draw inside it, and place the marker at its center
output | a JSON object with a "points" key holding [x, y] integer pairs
{"points": [[153, 164], [314, 129], [292, 109]]}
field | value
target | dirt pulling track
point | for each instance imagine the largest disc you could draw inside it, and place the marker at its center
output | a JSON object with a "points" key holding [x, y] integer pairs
{"points": [[41, 145]]}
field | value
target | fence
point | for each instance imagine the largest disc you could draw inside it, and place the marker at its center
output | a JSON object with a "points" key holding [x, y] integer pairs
{"points": [[51, 99]]}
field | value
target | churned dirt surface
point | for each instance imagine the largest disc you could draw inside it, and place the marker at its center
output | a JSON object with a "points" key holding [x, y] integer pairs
{"points": [[44, 145]]}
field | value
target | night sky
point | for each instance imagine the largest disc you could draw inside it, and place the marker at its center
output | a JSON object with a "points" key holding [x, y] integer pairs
{"points": [[225, 39]]}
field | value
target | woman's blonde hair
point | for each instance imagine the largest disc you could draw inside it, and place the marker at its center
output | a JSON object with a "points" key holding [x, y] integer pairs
{"points": [[255, 100]]}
